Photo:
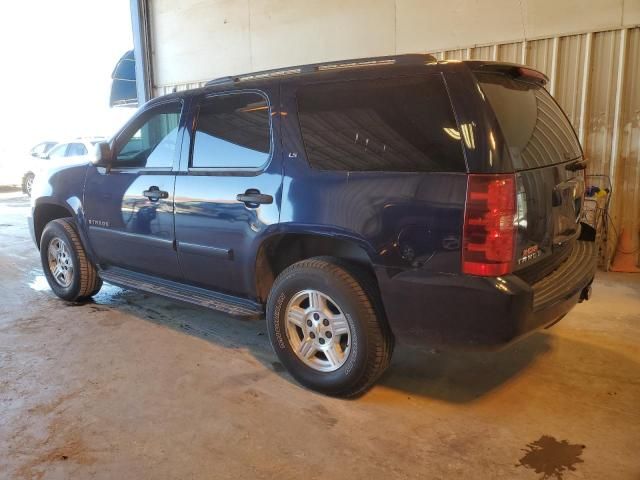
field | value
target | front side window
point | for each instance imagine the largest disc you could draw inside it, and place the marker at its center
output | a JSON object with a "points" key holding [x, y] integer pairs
{"points": [[58, 151], [76, 149], [153, 144], [403, 124], [232, 131]]}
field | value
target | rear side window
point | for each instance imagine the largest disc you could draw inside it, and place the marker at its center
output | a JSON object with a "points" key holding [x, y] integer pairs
{"points": [[536, 130], [403, 124], [232, 131]]}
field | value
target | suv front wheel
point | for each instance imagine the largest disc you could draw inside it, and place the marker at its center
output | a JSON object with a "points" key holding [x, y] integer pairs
{"points": [[327, 326], [69, 272]]}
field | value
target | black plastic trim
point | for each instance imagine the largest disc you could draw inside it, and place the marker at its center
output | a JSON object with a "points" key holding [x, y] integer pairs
{"points": [[195, 249], [146, 240], [234, 306], [568, 278]]}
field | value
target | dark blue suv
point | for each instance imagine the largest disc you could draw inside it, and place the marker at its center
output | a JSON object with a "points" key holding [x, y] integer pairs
{"points": [[354, 204]]}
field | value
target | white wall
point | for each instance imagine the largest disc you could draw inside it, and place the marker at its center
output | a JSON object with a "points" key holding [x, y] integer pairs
{"points": [[196, 40]]}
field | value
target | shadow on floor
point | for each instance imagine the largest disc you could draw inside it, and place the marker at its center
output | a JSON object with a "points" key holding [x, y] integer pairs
{"points": [[456, 377], [460, 377]]}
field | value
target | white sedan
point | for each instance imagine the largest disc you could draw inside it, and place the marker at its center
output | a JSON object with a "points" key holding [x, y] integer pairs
{"points": [[73, 151]]}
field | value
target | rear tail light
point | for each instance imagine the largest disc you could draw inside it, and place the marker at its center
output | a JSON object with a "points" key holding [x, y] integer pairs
{"points": [[489, 225]]}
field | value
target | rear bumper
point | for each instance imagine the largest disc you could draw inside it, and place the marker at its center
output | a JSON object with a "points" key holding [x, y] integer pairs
{"points": [[462, 311]]}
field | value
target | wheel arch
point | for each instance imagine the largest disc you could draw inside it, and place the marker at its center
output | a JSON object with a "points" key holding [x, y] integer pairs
{"points": [[45, 212], [282, 249]]}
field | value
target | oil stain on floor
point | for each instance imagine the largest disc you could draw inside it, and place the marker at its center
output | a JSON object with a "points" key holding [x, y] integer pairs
{"points": [[551, 458]]}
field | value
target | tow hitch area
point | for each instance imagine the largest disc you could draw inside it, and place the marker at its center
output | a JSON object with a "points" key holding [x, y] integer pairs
{"points": [[585, 294]]}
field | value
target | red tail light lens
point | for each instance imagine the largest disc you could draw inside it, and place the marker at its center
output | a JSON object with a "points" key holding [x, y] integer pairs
{"points": [[489, 225]]}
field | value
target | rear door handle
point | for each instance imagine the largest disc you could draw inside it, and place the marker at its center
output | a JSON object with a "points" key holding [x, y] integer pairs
{"points": [[252, 198], [154, 194]]}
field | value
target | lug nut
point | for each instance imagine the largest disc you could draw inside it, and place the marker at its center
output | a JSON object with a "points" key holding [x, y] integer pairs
{"points": [[321, 341], [316, 316], [309, 323], [312, 335], [325, 322], [328, 334]]}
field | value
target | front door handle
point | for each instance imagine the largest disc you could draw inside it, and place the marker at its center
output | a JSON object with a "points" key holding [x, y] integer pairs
{"points": [[252, 198], [154, 194]]}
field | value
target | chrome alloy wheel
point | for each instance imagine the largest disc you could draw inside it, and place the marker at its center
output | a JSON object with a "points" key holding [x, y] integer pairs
{"points": [[60, 262], [318, 331]]}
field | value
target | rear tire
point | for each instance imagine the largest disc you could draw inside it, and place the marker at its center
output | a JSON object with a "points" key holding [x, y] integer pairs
{"points": [[327, 326], [66, 267]]}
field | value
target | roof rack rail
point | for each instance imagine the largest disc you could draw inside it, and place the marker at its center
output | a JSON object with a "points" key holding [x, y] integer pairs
{"points": [[407, 59]]}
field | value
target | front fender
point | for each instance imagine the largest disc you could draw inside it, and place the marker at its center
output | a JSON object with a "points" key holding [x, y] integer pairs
{"points": [[58, 190]]}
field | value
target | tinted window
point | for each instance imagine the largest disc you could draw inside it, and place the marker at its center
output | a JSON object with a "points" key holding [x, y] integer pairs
{"points": [[535, 128], [232, 132], [402, 124], [153, 145], [58, 151], [76, 149]]}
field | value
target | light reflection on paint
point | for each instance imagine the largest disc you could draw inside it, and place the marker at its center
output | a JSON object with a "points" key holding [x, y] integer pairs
{"points": [[452, 132], [468, 135]]}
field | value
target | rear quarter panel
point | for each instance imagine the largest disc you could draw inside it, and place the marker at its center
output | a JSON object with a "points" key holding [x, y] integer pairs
{"points": [[402, 220]]}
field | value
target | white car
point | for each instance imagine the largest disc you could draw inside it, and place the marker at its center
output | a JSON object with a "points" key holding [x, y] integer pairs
{"points": [[41, 158]]}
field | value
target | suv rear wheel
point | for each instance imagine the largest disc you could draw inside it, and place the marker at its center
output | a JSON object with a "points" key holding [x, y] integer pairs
{"points": [[66, 267], [327, 326]]}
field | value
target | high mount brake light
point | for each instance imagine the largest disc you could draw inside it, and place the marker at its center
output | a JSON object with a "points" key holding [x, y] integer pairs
{"points": [[489, 225], [532, 74]]}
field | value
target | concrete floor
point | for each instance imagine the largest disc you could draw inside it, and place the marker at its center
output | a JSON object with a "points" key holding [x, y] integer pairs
{"points": [[137, 387]]}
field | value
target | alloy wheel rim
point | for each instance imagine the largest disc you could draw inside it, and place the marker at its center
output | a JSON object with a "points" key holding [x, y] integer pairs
{"points": [[29, 184], [60, 262], [318, 331]]}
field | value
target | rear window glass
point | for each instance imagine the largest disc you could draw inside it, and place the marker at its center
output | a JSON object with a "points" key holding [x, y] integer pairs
{"points": [[403, 124], [536, 130]]}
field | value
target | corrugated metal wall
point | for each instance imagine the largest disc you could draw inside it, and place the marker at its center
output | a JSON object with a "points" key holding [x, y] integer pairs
{"points": [[595, 76]]}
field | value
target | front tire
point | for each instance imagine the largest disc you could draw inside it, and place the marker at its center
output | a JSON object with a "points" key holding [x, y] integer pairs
{"points": [[327, 326], [66, 267]]}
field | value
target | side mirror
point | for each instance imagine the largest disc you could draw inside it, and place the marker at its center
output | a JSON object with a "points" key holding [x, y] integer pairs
{"points": [[103, 155]]}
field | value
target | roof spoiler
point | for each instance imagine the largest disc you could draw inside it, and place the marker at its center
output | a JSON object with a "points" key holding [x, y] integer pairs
{"points": [[408, 59], [513, 69]]}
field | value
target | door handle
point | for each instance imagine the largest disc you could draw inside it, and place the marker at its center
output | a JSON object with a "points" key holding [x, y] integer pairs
{"points": [[154, 194], [252, 198]]}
